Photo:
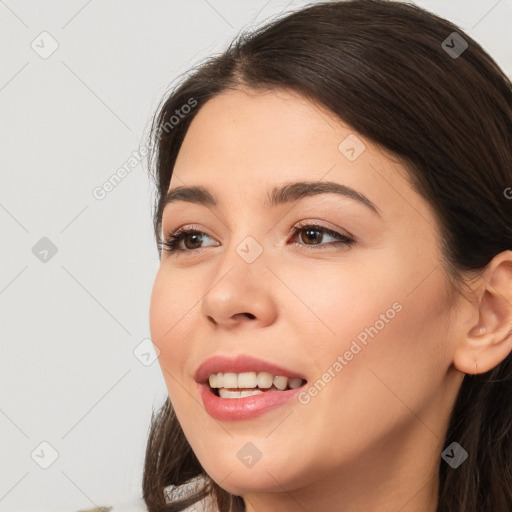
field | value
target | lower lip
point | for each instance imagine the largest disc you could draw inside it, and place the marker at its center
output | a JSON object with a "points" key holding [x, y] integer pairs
{"points": [[232, 409]]}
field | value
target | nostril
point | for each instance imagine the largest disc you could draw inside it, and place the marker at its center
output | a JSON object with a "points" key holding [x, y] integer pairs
{"points": [[248, 315]]}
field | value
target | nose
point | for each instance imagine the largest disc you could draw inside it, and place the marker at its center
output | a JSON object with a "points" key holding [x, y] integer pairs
{"points": [[241, 296]]}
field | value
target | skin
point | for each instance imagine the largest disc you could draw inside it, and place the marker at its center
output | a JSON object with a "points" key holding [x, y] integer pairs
{"points": [[372, 437]]}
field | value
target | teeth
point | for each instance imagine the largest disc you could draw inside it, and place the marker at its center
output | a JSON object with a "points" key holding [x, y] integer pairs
{"points": [[265, 380], [252, 380], [225, 393], [250, 393], [294, 383], [247, 380], [230, 380], [215, 379], [280, 382]]}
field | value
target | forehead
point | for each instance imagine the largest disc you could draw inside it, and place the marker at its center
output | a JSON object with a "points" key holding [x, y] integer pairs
{"points": [[247, 142]]}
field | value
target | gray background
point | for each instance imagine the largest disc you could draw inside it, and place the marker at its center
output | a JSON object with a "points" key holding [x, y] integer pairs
{"points": [[76, 373]]}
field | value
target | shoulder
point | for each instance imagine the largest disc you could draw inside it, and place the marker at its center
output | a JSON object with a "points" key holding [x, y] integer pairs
{"points": [[193, 485], [172, 492]]}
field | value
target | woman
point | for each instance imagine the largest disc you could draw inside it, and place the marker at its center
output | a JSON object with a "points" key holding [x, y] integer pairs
{"points": [[333, 306]]}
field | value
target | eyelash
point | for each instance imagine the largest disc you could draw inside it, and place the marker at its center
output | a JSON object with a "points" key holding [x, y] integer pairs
{"points": [[171, 243]]}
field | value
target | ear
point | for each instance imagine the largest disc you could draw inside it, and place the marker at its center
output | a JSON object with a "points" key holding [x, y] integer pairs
{"points": [[488, 341]]}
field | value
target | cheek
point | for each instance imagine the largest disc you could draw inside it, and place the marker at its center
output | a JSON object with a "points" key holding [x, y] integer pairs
{"points": [[332, 305], [395, 349], [172, 304], [396, 370], [168, 319], [385, 323]]}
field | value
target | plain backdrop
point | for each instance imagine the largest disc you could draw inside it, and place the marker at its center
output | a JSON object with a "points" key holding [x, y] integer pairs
{"points": [[79, 82]]}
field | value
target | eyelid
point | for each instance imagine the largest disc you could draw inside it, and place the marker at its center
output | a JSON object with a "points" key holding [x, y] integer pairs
{"points": [[299, 224], [321, 224], [171, 243]]}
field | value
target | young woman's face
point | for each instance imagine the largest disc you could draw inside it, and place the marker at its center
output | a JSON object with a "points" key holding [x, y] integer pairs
{"points": [[366, 323]]}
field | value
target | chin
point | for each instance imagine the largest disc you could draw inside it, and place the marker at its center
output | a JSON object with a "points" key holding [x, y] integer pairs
{"points": [[263, 476]]}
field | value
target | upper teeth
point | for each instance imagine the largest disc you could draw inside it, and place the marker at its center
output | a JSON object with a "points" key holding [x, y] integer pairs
{"points": [[252, 380]]}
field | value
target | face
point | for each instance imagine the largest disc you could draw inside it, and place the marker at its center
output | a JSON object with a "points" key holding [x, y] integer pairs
{"points": [[356, 305]]}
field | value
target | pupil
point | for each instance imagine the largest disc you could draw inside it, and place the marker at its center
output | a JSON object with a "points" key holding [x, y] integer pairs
{"points": [[198, 236], [312, 238]]}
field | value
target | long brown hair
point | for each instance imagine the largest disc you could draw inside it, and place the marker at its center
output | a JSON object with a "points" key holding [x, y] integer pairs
{"points": [[391, 71]]}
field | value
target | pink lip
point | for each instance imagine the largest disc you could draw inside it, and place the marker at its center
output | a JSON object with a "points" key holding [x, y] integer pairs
{"points": [[238, 364], [249, 407], [230, 409]]}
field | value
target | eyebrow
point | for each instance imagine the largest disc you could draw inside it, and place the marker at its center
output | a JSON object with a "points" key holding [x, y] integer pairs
{"points": [[291, 192]]}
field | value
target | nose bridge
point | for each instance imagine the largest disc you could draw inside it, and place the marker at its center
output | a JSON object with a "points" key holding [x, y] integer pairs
{"points": [[238, 289], [242, 262], [247, 233]]}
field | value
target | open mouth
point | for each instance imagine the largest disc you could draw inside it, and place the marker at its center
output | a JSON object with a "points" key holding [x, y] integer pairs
{"points": [[241, 385]]}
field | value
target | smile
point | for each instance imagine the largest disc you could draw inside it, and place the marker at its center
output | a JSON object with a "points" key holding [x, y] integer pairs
{"points": [[233, 385], [231, 389]]}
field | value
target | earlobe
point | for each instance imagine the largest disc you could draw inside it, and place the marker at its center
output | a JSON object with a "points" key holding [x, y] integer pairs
{"points": [[489, 341]]}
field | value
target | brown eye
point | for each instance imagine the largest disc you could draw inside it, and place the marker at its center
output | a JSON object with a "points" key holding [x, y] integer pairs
{"points": [[313, 235], [191, 238], [194, 238]]}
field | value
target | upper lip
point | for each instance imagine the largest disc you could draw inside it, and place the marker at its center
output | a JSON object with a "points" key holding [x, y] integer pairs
{"points": [[240, 363]]}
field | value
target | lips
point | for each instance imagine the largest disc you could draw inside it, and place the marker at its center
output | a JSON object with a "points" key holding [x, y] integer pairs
{"points": [[241, 363]]}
